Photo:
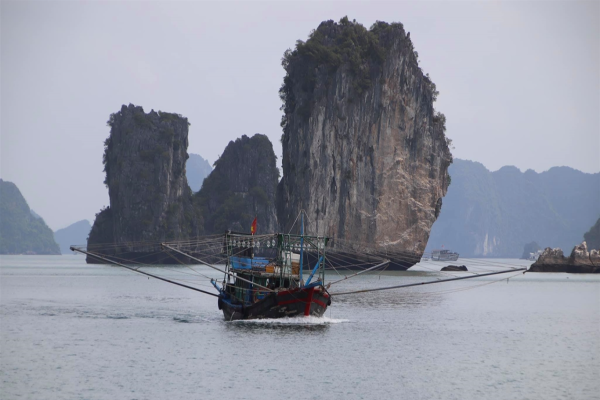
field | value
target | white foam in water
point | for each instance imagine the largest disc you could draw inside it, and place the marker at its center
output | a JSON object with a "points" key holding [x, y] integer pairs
{"points": [[310, 320]]}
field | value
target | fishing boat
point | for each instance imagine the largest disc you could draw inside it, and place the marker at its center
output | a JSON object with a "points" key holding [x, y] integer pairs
{"points": [[275, 286], [264, 276]]}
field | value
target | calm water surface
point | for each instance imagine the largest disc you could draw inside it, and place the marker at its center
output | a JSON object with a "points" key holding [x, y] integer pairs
{"points": [[75, 331]]}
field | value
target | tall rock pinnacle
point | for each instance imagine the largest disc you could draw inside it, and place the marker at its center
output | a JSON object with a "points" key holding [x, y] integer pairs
{"points": [[364, 152], [150, 200]]}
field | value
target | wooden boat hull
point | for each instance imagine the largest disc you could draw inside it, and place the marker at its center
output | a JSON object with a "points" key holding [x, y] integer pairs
{"points": [[311, 301]]}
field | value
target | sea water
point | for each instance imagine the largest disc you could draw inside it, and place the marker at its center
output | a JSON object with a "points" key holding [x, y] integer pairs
{"points": [[74, 331]]}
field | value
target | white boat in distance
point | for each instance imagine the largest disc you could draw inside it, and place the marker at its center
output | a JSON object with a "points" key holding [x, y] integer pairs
{"points": [[444, 255]]}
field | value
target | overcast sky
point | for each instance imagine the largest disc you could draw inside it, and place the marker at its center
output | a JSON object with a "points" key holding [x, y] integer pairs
{"points": [[519, 82]]}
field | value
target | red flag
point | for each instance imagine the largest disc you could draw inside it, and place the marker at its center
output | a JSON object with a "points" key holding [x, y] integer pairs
{"points": [[253, 228]]}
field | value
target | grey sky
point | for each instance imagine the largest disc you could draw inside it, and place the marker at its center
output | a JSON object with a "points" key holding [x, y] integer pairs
{"points": [[519, 82]]}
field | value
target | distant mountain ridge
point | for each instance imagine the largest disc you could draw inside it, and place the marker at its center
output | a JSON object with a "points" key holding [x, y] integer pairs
{"points": [[76, 233], [592, 237], [494, 214], [22, 232], [197, 168]]}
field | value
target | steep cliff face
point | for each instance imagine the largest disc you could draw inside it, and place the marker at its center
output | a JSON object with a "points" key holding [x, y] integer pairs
{"points": [[364, 152], [241, 187], [150, 200]]}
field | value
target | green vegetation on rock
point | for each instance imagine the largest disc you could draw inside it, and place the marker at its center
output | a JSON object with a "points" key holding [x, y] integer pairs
{"points": [[361, 138], [346, 45], [20, 231]]}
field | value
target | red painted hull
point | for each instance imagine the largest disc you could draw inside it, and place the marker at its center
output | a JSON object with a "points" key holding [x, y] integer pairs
{"points": [[289, 303]]}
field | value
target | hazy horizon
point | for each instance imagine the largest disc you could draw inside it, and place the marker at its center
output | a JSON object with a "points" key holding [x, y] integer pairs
{"points": [[519, 82]]}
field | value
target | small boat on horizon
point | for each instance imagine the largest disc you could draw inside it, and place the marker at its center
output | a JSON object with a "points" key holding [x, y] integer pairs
{"points": [[444, 255]]}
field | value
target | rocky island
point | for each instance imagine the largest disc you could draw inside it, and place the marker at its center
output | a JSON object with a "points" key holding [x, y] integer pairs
{"points": [[241, 187], [580, 261], [454, 268], [22, 232], [150, 200], [364, 151], [364, 154], [76, 233]]}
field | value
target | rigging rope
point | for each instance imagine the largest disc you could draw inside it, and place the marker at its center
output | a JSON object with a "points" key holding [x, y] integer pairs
{"points": [[424, 283], [142, 272]]}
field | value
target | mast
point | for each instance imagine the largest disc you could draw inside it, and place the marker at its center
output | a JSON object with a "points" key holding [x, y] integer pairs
{"points": [[301, 244]]}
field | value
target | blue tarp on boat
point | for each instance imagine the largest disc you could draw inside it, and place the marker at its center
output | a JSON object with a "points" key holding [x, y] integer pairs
{"points": [[248, 263]]}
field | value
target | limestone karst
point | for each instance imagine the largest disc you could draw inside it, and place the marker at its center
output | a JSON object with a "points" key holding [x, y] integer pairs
{"points": [[150, 200], [241, 187], [364, 151], [22, 232]]}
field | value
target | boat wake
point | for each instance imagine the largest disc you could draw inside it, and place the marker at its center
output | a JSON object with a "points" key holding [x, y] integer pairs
{"points": [[310, 320]]}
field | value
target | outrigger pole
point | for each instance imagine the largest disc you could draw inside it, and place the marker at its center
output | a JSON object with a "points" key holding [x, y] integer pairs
{"points": [[428, 283], [141, 272], [361, 272]]}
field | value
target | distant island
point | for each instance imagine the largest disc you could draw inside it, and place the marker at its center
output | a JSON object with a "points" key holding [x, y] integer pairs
{"points": [[76, 233], [197, 169], [592, 237], [529, 249], [495, 214], [21, 230], [580, 261]]}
